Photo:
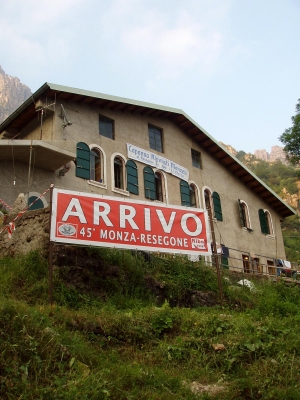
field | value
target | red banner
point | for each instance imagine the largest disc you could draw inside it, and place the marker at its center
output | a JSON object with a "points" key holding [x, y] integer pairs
{"points": [[95, 220]]}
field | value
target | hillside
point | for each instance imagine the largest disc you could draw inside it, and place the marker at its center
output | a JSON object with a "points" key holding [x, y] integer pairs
{"points": [[120, 329]]}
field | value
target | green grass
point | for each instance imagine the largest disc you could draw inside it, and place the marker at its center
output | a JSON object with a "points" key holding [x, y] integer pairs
{"points": [[109, 335]]}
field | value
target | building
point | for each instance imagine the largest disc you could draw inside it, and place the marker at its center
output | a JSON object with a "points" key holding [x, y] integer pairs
{"points": [[91, 142]]}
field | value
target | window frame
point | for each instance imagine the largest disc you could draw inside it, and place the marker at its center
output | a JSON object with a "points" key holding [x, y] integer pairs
{"points": [[244, 215], [186, 188], [123, 162], [106, 120], [266, 223], [196, 158], [102, 155], [151, 182], [156, 130]]}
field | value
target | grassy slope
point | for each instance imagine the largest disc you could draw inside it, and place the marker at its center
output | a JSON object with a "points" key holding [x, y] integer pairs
{"points": [[107, 338]]}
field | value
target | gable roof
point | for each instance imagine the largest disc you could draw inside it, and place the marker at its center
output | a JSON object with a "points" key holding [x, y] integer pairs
{"points": [[27, 111]]}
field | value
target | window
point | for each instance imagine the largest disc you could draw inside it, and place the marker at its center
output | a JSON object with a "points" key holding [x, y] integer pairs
{"points": [[155, 138], [154, 184], [244, 215], [188, 194], [132, 177], [106, 127], [212, 200], [265, 220], [82, 160], [96, 165], [118, 173], [196, 159]]}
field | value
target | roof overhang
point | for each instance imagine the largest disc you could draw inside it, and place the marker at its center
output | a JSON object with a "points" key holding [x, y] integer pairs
{"points": [[45, 155], [12, 126]]}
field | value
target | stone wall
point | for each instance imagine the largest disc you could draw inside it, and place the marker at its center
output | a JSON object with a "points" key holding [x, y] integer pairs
{"points": [[31, 233]]}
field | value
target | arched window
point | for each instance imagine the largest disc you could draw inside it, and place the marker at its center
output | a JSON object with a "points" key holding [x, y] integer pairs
{"points": [[212, 200], [132, 177], [96, 166], [118, 173], [266, 224], [189, 194], [244, 214], [154, 184], [38, 200]]}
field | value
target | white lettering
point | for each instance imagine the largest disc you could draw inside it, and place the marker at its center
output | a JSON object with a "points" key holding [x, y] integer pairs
{"points": [[126, 237], [172, 241], [112, 235], [167, 227], [166, 241], [127, 217], [132, 238], [147, 219], [77, 213], [143, 238], [103, 214], [184, 227], [103, 234]]}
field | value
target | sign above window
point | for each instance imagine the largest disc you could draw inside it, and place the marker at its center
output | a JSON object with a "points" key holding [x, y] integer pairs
{"points": [[157, 161]]}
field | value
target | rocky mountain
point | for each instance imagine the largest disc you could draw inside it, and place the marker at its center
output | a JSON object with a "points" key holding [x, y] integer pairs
{"points": [[12, 94], [277, 153]]}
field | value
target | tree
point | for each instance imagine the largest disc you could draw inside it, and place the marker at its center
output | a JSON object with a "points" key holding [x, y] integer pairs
{"points": [[291, 138]]}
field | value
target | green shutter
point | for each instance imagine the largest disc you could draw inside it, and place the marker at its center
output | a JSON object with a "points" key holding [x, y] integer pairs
{"points": [[264, 226], [82, 160], [242, 214], [185, 193], [132, 177], [217, 206], [149, 183]]}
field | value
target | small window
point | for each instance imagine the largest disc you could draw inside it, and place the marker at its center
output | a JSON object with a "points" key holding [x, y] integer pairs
{"points": [[155, 138], [82, 160], [96, 165], [106, 127], [217, 206], [118, 173], [132, 177], [244, 215], [196, 159], [265, 220]]}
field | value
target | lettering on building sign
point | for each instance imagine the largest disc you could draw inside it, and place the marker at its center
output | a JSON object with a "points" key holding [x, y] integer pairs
{"points": [[88, 219], [156, 161]]}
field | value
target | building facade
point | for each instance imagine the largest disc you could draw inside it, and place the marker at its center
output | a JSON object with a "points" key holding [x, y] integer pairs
{"points": [[102, 144]]}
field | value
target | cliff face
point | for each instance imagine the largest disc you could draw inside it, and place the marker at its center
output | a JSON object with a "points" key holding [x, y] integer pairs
{"points": [[12, 94]]}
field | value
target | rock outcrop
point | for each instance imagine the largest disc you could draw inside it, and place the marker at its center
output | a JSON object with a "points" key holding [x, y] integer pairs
{"points": [[12, 94]]}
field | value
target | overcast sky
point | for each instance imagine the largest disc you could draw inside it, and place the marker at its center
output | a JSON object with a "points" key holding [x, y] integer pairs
{"points": [[231, 65]]}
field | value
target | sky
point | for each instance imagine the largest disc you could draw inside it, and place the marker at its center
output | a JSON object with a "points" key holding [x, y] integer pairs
{"points": [[231, 65]]}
